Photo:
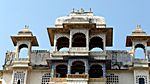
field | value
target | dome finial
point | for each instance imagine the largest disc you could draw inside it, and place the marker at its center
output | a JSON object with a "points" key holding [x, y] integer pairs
{"points": [[26, 26]]}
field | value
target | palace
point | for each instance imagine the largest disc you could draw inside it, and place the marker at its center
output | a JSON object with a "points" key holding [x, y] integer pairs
{"points": [[79, 55]]}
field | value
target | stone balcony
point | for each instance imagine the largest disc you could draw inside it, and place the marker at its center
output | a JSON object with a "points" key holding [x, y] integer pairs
{"points": [[78, 49], [84, 76], [20, 62], [140, 62]]}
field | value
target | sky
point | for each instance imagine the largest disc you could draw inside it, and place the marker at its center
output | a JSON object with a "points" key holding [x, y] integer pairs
{"points": [[122, 15]]}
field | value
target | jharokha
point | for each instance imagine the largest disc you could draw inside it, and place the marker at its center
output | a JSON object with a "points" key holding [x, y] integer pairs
{"points": [[78, 55]]}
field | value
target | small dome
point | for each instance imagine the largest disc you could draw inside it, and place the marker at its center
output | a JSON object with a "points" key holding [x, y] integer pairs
{"points": [[25, 32], [138, 31]]}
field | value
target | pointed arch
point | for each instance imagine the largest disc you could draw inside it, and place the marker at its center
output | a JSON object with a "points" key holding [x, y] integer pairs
{"points": [[79, 40], [78, 67], [23, 51], [62, 42], [96, 42], [139, 51]]}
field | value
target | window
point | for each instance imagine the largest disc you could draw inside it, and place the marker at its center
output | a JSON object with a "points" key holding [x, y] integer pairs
{"points": [[19, 77], [112, 79], [46, 78]]}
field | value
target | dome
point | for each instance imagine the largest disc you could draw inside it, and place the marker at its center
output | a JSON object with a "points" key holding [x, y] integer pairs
{"points": [[138, 31], [80, 17], [25, 32]]}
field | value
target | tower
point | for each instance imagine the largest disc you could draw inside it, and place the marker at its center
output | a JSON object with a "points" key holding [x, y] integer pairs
{"points": [[79, 33], [21, 65], [139, 39]]}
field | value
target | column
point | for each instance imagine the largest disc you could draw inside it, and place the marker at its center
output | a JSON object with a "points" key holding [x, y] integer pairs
{"points": [[25, 78], [104, 70], [17, 52], [70, 40], [29, 50], [52, 70], [69, 67], [86, 67], [55, 48], [87, 40]]}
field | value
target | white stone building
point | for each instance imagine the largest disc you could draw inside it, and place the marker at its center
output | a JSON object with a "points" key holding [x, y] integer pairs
{"points": [[79, 55]]}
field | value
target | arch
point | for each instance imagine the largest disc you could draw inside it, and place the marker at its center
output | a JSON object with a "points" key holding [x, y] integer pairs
{"points": [[139, 51], [96, 42], [61, 70], [95, 71], [62, 42], [141, 81], [23, 51], [18, 82], [79, 40], [46, 78], [77, 67]]}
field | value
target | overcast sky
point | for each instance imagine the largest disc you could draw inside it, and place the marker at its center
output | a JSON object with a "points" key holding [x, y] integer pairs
{"points": [[122, 15]]}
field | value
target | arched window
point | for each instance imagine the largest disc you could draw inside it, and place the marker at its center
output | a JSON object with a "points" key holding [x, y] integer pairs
{"points": [[139, 51], [61, 71], [23, 51], [77, 67], [18, 82], [96, 42], [46, 78], [62, 42], [95, 71], [79, 40], [141, 81]]}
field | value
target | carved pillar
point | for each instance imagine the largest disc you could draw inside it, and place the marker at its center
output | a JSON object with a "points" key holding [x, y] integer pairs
{"points": [[87, 40], [55, 40], [104, 70], [52, 70], [70, 41], [69, 67], [86, 67]]}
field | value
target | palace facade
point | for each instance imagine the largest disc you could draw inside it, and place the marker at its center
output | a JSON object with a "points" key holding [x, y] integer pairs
{"points": [[78, 55]]}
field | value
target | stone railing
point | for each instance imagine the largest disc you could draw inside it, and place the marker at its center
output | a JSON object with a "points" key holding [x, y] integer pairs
{"points": [[97, 53], [21, 59], [58, 80], [78, 49], [85, 76], [140, 61], [97, 79], [68, 53]]}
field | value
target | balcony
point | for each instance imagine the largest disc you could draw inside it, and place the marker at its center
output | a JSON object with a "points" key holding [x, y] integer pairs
{"points": [[58, 80], [78, 76], [74, 51], [79, 49], [97, 79], [140, 62], [20, 62], [98, 55]]}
